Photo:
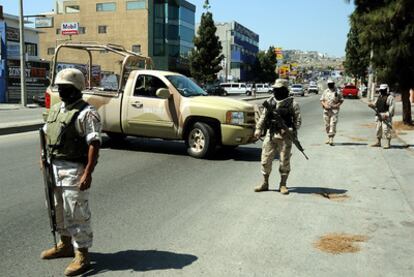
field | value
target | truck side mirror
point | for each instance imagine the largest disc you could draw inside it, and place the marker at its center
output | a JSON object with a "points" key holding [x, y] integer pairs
{"points": [[163, 93]]}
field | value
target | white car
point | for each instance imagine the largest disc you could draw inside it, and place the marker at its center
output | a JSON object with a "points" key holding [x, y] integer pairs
{"points": [[236, 88], [297, 89], [313, 88], [263, 88]]}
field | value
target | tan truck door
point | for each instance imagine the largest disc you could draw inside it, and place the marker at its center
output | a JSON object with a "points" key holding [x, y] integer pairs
{"points": [[148, 115]]}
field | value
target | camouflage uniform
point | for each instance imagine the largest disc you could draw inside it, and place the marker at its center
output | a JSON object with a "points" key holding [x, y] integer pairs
{"points": [[386, 107], [330, 116], [278, 143], [73, 216]]}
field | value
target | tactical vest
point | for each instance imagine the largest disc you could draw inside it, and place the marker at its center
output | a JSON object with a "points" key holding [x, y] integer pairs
{"points": [[381, 104], [285, 110], [64, 141]]}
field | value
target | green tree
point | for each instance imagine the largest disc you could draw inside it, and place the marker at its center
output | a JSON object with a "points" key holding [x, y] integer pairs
{"points": [[206, 57], [357, 56], [387, 27], [264, 67]]}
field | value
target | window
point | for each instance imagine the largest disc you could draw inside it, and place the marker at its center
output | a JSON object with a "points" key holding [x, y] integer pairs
{"points": [[82, 30], [51, 51], [147, 86], [135, 5], [72, 9], [136, 48], [102, 29], [58, 31], [31, 49], [106, 7]]}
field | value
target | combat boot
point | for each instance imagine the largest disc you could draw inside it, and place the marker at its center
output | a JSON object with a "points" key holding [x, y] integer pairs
{"points": [[331, 142], [264, 186], [79, 264], [282, 187], [327, 141], [63, 249], [377, 143], [387, 144]]}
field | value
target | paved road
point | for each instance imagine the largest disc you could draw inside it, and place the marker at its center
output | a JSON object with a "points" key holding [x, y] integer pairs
{"points": [[159, 212]]}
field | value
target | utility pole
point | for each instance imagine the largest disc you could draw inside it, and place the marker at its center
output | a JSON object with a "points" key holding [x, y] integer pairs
{"points": [[22, 57], [371, 84]]}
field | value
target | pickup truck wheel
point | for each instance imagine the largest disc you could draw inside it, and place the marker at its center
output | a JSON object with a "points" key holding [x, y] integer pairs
{"points": [[116, 136], [201, 140]]}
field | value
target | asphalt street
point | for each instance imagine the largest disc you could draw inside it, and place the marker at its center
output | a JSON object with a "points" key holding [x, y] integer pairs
{"points": [[158, 212]]}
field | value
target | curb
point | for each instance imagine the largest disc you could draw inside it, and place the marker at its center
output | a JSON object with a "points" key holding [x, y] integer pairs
{"points": [[20, 128], [255, 98]]}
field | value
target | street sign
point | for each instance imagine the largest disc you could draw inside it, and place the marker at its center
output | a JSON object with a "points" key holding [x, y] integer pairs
{"points": [[70, 28], [43, 22]]}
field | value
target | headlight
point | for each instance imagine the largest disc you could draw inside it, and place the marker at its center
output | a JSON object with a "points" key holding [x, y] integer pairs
{"points": [[235, 118]]}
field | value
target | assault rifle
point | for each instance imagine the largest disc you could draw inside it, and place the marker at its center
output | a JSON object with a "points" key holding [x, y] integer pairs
{"points": [[378, 114], [278, 122], [50, 184]]}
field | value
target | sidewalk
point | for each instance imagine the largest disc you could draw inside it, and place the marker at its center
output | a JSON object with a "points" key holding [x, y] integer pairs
{"points": [[402, 132], [15, 119]]}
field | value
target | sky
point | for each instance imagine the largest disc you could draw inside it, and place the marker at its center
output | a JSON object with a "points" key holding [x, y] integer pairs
{"points": [[308, 25]]}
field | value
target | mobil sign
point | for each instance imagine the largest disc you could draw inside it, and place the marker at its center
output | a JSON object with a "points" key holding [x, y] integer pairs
{"points": [[70, 28]]}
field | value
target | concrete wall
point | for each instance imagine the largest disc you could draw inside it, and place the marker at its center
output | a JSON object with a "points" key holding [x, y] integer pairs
{"points": [[124, 27]]}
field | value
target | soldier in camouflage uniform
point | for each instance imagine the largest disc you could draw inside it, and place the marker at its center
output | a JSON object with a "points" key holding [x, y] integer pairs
{"points": [[385, 106], [276, 141], [331, 101], [73, 136]]}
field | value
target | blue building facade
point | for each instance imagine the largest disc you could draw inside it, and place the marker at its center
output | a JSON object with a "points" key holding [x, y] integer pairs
{"points": [[173, 33], [240, 47]]}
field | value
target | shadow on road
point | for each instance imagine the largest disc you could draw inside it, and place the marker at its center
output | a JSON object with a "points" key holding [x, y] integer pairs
{"points": [[241, 153], [350, 144], [316, 190], [405, 146], [134, 260]]}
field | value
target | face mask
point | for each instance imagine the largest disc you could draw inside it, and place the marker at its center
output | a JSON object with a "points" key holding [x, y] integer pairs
{"points": [[383, 92], [68, 94], [280, 93]]}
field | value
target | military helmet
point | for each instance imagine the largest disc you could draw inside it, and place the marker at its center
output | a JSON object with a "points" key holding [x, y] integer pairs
{"points": [[279, 83], [330, 81], [71, 76]]}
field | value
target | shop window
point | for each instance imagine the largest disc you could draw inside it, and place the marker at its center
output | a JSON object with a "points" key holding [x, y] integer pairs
{"points": [[31, 49], [82, 30]]}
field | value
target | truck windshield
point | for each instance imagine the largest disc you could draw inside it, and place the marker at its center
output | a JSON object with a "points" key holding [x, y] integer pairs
{"points": [[185, 86]]}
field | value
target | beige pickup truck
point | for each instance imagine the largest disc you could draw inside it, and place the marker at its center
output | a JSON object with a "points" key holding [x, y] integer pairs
{"points": [[159, 104]]}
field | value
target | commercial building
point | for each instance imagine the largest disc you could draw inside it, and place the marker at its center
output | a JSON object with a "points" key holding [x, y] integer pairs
{"points": [[240, 47], [36, 70], [161, 29]]}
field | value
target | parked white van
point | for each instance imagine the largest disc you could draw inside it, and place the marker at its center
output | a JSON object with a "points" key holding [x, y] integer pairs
{"points": [[236, 88]]}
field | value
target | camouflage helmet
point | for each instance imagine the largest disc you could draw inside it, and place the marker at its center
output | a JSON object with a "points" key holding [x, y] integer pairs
{"points": [[279, 83], [71, 76]]}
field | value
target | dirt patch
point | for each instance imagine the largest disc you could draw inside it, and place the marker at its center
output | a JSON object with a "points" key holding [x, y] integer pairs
{"points": [[357, 139], [369, 125], [340, 243], [338, 197], [400, 126]]}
